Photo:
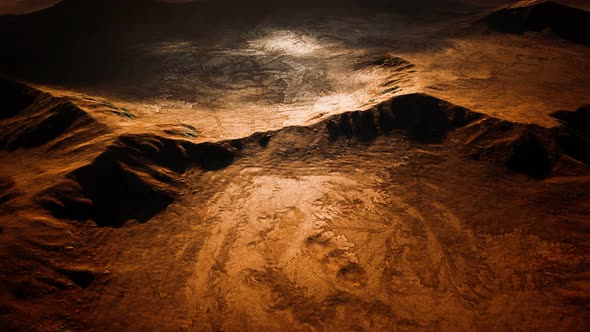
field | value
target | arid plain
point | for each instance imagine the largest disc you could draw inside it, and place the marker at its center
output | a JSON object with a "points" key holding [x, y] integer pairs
{"points": [[309, 166]]}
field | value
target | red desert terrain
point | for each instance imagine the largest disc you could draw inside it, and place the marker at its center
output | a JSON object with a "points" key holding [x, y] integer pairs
{"points": [[297, 166]]}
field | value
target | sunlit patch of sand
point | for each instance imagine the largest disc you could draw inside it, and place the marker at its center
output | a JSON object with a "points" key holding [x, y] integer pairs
{"points": [[286, 41], [275, 78], [521, 79]]}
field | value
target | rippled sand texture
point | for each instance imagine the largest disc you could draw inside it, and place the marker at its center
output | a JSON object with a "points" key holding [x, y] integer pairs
{"points": [[292, 166], [280, 70], [349, 236]]}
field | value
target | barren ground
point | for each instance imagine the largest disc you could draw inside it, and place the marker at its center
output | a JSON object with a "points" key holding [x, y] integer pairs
{"points": [[294, 172]]}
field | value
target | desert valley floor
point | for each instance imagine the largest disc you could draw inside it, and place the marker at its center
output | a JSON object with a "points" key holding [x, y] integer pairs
{"points": [[308, 166]]}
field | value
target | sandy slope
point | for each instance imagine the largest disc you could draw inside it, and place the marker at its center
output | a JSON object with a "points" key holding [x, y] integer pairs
{"points": [[186, 181], [415, 214]]}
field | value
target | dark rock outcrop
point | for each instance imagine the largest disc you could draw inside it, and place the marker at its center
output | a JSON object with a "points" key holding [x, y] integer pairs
{"points": [[523, 148], [570, 23], [578, 120], [32, 118], [574, 134], [134, 179], [15, 97], [421, 117]]}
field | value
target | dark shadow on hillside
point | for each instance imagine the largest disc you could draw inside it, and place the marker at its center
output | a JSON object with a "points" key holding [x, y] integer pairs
{"points": [[568, 22]]}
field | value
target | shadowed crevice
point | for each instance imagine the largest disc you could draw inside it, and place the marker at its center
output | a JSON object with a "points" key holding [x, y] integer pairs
{"points": [[134, 179]]}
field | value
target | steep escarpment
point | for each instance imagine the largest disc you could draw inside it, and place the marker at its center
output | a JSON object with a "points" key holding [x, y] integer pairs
{"points": [[111, 177], [15, 97], [421, 117], [568, 22], [524, 148], [138, 175], [135, 178], [31, 118]]}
